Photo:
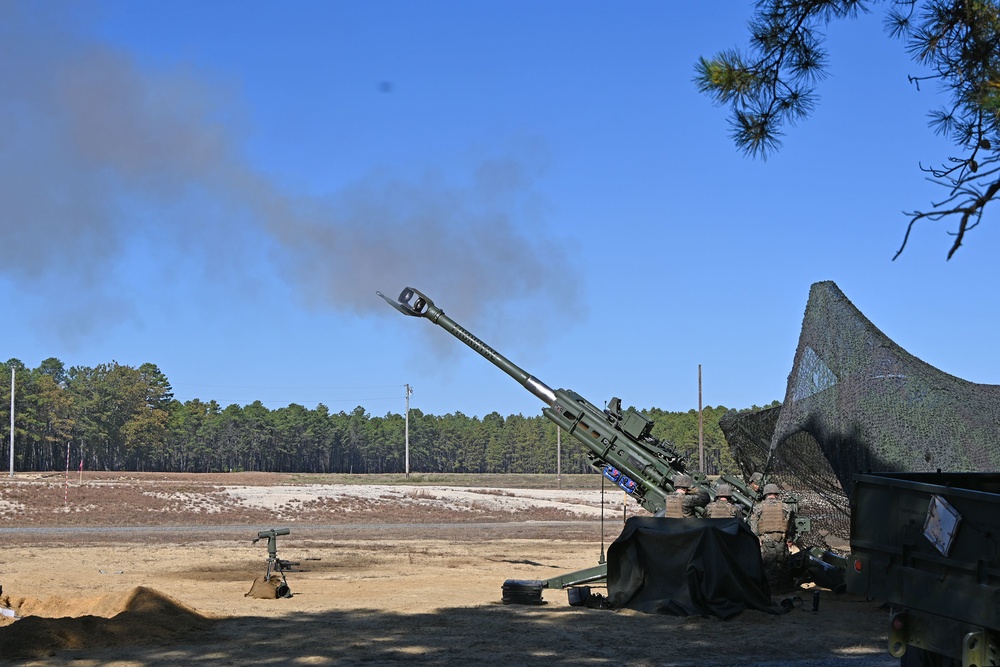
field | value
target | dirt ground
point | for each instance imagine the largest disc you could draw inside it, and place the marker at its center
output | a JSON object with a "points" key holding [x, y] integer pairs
{"points": [[150, 570]]}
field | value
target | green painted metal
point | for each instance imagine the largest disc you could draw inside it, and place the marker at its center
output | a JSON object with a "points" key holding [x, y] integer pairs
{"points": [[941, 577], [592, 575], [619, 444], [275, 564]]}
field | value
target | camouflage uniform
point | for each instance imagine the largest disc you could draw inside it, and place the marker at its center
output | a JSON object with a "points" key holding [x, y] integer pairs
{"points": [[685, 502], [754, 483], [722, 507], [772, 521], [676, 507]]}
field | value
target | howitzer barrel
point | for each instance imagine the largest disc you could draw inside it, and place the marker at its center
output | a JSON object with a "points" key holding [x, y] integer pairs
{"points": [[413, 303], [619, 445]]}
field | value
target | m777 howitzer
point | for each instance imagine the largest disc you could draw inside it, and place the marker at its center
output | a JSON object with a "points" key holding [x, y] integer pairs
{"points": [[619, 445]]}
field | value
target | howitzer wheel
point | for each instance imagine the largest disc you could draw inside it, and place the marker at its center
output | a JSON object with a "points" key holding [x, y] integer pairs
{"points": [[520, 591]]}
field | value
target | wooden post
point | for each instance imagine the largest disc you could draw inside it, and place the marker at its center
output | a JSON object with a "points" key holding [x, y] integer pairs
{"points": [[407, 445], [558, 457], [701, 427]]}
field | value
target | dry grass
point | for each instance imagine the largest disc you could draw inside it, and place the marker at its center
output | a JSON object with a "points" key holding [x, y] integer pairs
{"points": [[96, 499]]}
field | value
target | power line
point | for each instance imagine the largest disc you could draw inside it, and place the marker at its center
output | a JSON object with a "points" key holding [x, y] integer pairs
{"points": [[271, 386], [299, 395], [285, 402]]}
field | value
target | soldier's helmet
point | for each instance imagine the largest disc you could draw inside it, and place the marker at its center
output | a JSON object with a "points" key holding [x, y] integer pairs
{"points": [[756, 478], [771, 488], [683, 481], [723, 491]]}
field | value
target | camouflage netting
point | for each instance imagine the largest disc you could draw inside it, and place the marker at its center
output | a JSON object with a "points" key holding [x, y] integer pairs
{"points": [[857, 402]]}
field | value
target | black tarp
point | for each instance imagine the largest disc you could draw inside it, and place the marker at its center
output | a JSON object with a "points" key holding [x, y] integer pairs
{"points": [[688, 567]]}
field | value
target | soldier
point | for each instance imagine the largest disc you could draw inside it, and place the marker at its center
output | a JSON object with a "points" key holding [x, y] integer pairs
{"points": [[722, 507], [772, 520], [756, 480], [674, 503], [686, 499]]}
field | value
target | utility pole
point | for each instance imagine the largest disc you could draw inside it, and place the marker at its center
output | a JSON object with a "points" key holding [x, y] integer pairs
{"points": [[408, 392], [701, 427], [12, 372], [558, 457]]}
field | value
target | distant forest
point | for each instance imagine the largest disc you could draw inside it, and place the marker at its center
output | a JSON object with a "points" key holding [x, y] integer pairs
{"points": [[119, 418]]}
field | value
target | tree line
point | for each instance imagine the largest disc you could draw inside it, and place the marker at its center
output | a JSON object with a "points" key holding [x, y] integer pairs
{"points": [[120, 418]]}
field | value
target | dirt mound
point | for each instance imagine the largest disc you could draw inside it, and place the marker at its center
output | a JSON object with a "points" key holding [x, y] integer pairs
{"points": [[139, 616]]}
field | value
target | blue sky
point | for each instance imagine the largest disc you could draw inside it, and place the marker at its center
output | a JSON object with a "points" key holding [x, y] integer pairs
{"points": [[220, 188]]}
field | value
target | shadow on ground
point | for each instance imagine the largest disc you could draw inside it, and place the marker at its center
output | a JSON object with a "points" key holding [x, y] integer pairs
{"points": [[491, 636]]}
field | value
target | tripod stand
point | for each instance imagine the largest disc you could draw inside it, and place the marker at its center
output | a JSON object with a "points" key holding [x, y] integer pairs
{"points": [[275, 564]]}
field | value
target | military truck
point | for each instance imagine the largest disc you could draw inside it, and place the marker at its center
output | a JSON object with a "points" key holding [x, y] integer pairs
{"points": [[928, 544]]}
